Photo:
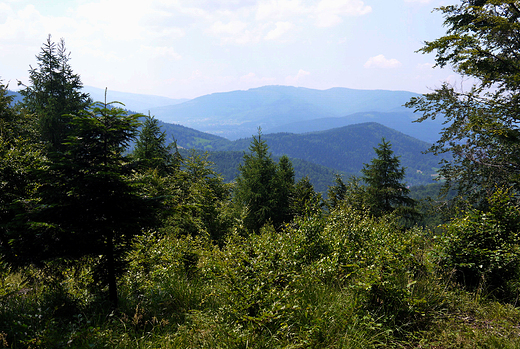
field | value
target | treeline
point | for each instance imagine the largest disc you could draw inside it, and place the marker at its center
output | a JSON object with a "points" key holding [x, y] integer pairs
{"points": [[344, 149], [226, 163]]}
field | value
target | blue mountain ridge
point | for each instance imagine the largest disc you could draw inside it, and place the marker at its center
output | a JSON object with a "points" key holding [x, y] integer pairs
{"points": [[238, 114]]}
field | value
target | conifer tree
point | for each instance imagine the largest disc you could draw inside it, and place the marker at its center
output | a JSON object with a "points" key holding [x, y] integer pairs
{"points": [[54, 91], [151, 150], [20, 156], [88, 207], [383, 176], [336, 193], [284, 191], [305, 200], [263, 187]]}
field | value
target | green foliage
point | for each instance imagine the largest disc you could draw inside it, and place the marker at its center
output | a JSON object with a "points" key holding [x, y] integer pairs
{"points": [[20, 157], [284, 187], [305, 200], [385, 192], [151, 150], [347, 149], [343, 280], [386, 266], [54, 93], [336, 193], [195, 199], [171, 245], [227, 162], [263, 188], [86, 205], [481, 121], [482, 247]]}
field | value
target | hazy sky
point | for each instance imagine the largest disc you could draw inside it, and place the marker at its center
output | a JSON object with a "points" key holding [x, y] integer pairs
{"points": [[188, 48]]}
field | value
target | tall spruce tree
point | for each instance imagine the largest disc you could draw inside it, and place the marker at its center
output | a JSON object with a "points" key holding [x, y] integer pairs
{"points": [[263, 187], [151, 150], [88, 207], [53, 93], [383, 176]]}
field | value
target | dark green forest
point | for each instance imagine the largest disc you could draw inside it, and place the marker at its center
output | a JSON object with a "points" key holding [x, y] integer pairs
{"points": [[317, 155], [111, 235]]}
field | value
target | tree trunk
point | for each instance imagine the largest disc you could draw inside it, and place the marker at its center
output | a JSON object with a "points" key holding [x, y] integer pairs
{"points": [[111, 268]]}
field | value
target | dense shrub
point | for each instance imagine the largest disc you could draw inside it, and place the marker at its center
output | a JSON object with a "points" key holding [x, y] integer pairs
{"points": [[387, 266], [482, 247]]}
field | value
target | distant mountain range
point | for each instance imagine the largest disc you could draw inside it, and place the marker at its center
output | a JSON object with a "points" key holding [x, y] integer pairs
{"points": [[238, 114], [132, 101]]}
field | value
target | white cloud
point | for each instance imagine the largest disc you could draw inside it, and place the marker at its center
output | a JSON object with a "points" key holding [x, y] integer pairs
{"points": [[381, 61], [281, 29], [418, 1], [330, 12], [296, 80], [161, 51], [231, 28], [253, 80], [235, 32], [279, 9], [325, 13], [117, 20], [425, 66]]}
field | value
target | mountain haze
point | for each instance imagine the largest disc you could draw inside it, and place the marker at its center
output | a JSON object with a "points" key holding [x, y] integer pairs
{"points": [[238, 114], [132, 101], [333, 143], [403, 121]]}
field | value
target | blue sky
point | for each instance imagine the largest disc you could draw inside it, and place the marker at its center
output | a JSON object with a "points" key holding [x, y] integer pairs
{"points": [[188, 48]]}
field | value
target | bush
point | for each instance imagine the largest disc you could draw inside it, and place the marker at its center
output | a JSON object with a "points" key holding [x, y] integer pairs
{"points": [[387, 266], [482, 247]]}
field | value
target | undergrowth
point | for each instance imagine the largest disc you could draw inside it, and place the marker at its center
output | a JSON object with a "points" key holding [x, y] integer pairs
{"points": [[343, 281]]}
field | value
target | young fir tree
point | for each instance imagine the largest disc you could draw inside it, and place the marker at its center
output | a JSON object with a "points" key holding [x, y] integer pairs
{"points": [[88, 207], [151, 150], [384, 190], [305, 200], [53, 93], [263, 187], [284, 191], [336, 193]]}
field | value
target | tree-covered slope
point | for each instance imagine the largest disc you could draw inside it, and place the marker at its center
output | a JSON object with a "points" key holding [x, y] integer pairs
{"points": [[189, 138], [348, 148], [226, 163], [402, 121]]}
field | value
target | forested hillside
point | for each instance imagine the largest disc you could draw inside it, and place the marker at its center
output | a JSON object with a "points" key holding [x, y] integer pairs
{"points": [[343, 150], [113, 237], [347, 148], [226, 163], [402, 121]]}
